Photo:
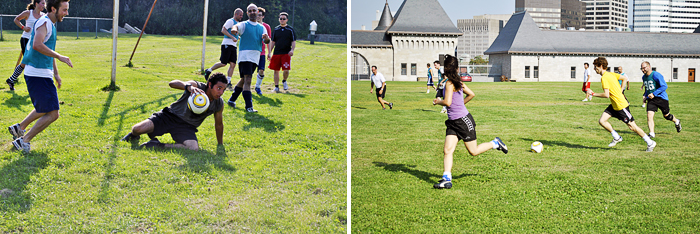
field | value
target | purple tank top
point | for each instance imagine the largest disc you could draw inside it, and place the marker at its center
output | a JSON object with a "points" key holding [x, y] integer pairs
{"points": [[457, 109]]}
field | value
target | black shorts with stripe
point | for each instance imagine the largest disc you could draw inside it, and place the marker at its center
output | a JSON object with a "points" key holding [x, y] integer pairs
{"points": [[464, 128], [657, 103], [623, 114]]}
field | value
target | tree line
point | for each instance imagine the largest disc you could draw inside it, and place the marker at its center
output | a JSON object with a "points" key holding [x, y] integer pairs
{"points": [[185, 17]]}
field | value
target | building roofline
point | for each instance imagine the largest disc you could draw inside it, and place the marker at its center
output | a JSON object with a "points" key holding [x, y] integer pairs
{"points": [[593, 54], [423, 33]]}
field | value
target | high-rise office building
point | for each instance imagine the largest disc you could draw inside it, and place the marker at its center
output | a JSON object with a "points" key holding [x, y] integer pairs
{"points": [[675, 16], [606, 14], [478, 35], [554, 13]]}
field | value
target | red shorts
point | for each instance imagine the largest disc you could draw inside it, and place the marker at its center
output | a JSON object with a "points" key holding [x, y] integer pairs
{"points": [[586, 85], [283, 61]]}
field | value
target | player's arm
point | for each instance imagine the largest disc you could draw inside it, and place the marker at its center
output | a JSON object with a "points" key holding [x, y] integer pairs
{"points": [[447, 101], [270, 47], [266, 38], [224, 30], [371, 85], [39, 46], [219, 126], [624, 82], [469, 93], [605, 94], [662, 84], [23, 16], [56, 76], [181, 85], [294, 45], [382, 89]]}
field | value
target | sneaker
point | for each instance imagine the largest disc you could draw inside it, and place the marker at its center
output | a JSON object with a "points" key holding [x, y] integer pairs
{"points": [[650, 148], [258, 91], [286, 87], [614, 142], [391, 105], [232, 104], [131, 138], [501, 146], [206, 74], [277, 90], [678, 126], [12, 85], [16, 131], [153, 144], [590, 98], [443, 184], [585, 100], [644, 105], [229, 87], [21, 145], [652, 135], [427, 91], [251, 110]]}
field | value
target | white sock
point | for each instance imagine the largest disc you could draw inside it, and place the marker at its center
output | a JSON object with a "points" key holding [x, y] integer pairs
{"points": [[447, 175], [259, 81], [208, 69], [652, 134], [495, 144], [229, 79], [677, 121], [615, 135], [647, 140]]}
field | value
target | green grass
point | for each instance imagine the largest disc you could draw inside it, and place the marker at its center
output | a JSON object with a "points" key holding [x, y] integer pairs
{"points": [[576, 185], [280, 170]]}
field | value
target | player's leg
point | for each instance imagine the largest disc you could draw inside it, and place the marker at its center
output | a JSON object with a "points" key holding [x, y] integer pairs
{"points": [[231, 69], [449, 149], [650, 143], [286, 66], [188, 144], [381, 101], [277, 80], [666, 111], [261, 74], [19, 129], [475, 149], [285, 75], [650, 123], [42, 123], [603, 121]]}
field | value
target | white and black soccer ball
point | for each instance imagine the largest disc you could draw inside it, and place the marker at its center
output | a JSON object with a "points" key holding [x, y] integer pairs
{"points": [[536, 147], [198, 103]]}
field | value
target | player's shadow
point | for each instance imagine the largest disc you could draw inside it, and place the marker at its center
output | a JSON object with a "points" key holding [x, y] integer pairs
{"points": [[428, 177], [260, 121], [17, 101], [203, 161], [262, 99], [108, 104], [359, 107], [15, 176], [565, 144]]}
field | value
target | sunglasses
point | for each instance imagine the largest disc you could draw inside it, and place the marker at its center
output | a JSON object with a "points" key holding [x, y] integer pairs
{"points": [[283, 18]]}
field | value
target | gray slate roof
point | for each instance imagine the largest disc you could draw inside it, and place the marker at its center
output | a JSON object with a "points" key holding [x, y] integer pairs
{"points": [[385, 20], [370, 38], [422, 16], [521, 35]]}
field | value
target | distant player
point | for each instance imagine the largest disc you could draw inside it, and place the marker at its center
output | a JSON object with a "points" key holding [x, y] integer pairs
{"points": [[430, 80], [40, 73], [228, 47], [619, 107], [586, 82], [33, 12], [437, 73], [178, 120], [656, 97], [284, 41], [379, 82], [261, 64], [460, 123]]}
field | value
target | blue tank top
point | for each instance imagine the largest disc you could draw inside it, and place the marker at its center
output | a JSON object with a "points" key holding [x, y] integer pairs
{"points": [[251, 37], [457, 109], [33, 57]]}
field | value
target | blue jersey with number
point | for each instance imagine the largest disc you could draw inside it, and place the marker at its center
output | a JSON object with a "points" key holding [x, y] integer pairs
{"points": [[655, 84]]}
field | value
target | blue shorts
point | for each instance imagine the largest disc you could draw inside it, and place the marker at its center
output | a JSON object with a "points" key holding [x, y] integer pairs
{"points": [[43, 93], [261, 63]]}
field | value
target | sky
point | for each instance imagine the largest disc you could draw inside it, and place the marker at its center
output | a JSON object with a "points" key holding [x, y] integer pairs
{"points": [[363, 12]]}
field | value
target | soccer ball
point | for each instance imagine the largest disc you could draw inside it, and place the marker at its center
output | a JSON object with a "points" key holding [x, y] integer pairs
{"points": [[198, 103], [536, 147]]}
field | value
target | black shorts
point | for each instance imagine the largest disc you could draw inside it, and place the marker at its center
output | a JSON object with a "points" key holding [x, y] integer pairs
{"points": [[657, 103], [383, 93], [228, 54], [464, 128], [623, 114], [166, 122], [246, 68], [23, 43], [440, 93]]}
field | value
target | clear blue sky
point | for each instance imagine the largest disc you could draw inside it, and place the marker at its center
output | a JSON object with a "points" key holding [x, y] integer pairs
{"points": [[364, 11]]}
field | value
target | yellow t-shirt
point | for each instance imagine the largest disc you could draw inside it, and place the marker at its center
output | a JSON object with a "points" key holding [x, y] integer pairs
{"points": [[609, 81]]}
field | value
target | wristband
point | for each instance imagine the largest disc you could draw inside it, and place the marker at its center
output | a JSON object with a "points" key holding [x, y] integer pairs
{"points": [[22, 27]]}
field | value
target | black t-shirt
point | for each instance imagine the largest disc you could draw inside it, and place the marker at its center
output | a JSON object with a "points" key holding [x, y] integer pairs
{"points": [[180, 109], [283, 38]]}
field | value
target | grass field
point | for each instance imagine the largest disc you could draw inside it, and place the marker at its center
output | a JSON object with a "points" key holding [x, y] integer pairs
{"points": [[282, 169], [576, 185]]}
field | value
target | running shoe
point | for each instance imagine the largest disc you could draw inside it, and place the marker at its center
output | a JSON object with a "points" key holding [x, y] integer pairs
{"points": [[614, 142], [251, 110], [258, 91], [16, 131], [286, 87], [206, 74], [501, 146], [277, 90], [11, 84], [678, 126], [391, 105], [650, 148], [21, 145], [131, 138], [443, 184], [232, 104], [153, 144]]}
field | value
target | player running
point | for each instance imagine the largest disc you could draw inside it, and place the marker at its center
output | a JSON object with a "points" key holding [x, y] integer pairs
{"points": [[656, 97]]}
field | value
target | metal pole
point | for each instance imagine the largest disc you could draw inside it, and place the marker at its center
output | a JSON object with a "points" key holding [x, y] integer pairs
{"points": [[95, 28], [1, 37], [143, 29], [77, 29], [204, 32], [294, 4], [115, 32]]}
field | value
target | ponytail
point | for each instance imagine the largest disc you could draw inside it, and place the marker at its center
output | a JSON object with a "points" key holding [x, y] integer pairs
{"points": [[451, 66]]}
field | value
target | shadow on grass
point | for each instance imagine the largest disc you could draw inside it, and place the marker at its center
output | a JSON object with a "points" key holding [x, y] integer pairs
{"points": [[262, 99], [358, 107], [428, 177], [15, 176], [203, 161], [259, 121], [17, 101], [565, 144]]}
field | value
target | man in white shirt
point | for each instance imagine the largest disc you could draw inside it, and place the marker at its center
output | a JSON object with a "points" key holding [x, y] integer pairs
{"points": [[586, 82], [228, 47], [379, 81]]}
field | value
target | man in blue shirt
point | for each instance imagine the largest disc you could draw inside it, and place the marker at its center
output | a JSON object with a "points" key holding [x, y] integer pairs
{"points": [[656, 97]]}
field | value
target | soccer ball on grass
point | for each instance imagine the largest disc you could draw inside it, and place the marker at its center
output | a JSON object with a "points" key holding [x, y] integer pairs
{"points": [[536, 147]]}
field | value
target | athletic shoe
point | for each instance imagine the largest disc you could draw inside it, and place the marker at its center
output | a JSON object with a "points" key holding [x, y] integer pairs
{"points": [[251, 110], [585, 100], [131, 138], [614, 142], [427, 91], [232, 104], [12, 85], [153, 144], [501, 146], [258, 91], [286, 87], [21, 145], [650, 148], [643, 105], [206, 74], [590, 98], [277, 90], [678, 126], [652, 135], [391, 105], [16, 131], [443, 184]]}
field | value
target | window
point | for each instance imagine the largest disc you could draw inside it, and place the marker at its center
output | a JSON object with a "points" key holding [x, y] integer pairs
{"points": [[536, 72], [413, 69], [573, 72], [608, 69], [653, 68], [616, 70], [675, 73], [527, 71], [403, 69]]}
